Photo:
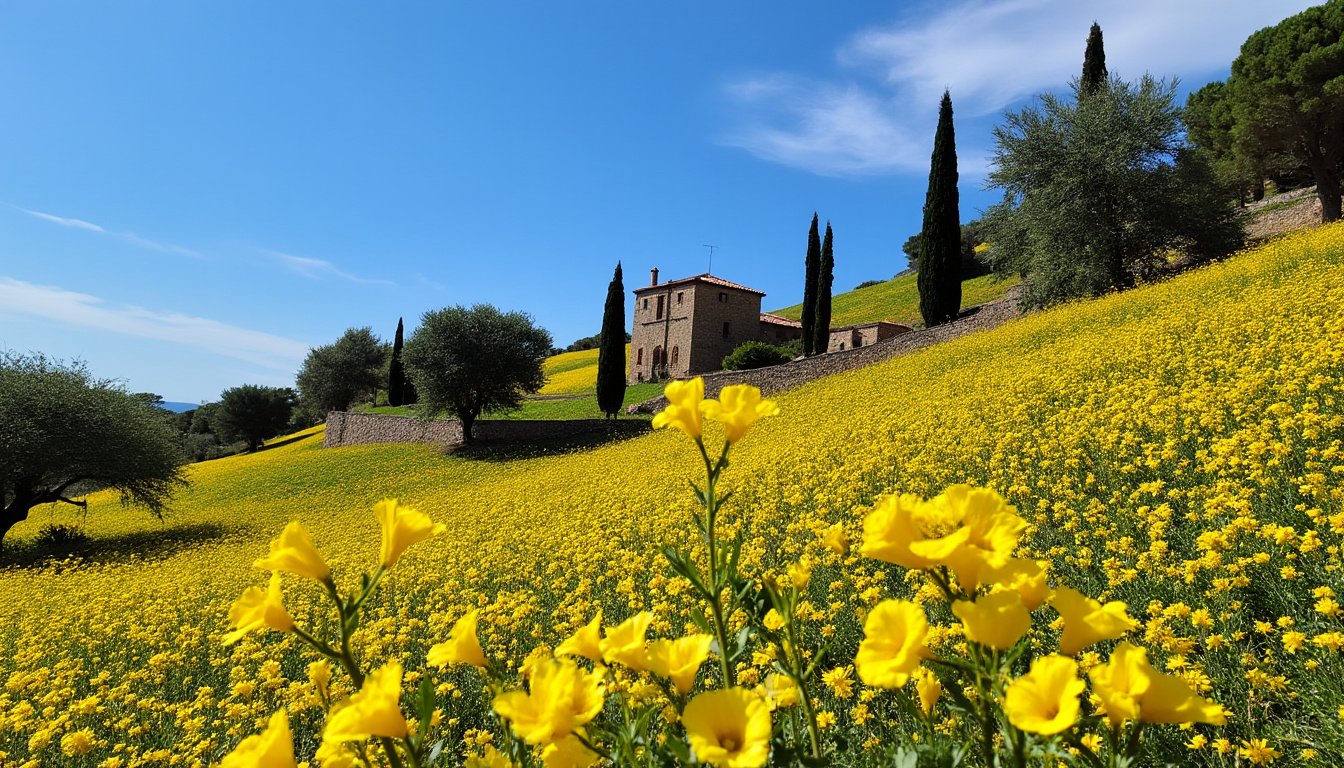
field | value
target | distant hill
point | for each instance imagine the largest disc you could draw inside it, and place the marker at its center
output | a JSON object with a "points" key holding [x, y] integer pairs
{"points": [[178, 407], [897, 300]]}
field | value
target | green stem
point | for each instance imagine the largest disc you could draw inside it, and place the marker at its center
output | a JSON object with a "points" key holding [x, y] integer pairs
{"points": [[796, 667], [711, 539]]}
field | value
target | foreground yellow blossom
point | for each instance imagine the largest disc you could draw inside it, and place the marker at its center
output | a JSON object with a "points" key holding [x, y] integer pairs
{"points": [[897, 522], [929, 689], [402, 526], [679, 660], [259, 609], [1045, 700], [1026, 577], [728, 728], [585, 642], [374, 711], [1121, 682], [272, 748], [997, 620], [562, 697], [462, 645], [293, 552], [738, 407], [683, 407], [1087, 621], [624, 643], [986, 533], [893, 644]]}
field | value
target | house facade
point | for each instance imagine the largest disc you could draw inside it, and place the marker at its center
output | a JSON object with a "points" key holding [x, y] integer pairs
{"points": [[855, 336], [687, 326]]}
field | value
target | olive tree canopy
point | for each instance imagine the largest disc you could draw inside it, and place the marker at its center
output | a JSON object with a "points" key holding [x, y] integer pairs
{"points": [[473, 361], [62, 430]]}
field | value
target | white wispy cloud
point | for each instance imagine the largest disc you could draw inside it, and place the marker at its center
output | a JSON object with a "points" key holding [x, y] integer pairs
{"points": [[317, 269], [130, 237], [82, 310], [875, 113]]}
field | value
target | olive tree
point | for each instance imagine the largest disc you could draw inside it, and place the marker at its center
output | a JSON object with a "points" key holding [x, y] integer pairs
{"points": [[337, 374], [1100, 190], [473, 361], [62, 432], [254, 413]]}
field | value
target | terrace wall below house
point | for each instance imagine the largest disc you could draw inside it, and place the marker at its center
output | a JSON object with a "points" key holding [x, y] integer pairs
{"points": [[344, 429]]}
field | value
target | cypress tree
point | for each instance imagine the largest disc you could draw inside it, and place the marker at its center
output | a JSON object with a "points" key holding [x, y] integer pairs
{"points": [[825, 277], [1094, 63], [939, 266], [810, 272], [396, 372], [611, 349]]}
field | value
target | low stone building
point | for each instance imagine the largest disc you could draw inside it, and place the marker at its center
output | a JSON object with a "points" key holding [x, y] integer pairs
{"points": [[855, 336], [687, 326]]}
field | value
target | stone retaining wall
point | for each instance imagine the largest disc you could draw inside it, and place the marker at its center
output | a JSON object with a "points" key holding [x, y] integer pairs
{"points": [[797, 372], [345, 429]]}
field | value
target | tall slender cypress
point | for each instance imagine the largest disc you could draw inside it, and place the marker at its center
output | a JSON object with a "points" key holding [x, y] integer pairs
{"points": [[611, 349], [821, 333], [1094, 63], [396, 372], [940, 239], [810, 272]]}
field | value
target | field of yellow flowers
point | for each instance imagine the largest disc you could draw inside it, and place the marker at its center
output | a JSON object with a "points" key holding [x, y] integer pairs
{"points": [[1179, 447]]}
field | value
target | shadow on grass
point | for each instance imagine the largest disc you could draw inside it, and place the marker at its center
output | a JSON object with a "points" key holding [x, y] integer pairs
{"points": [[148, 545], [516, 449], [278, 443]]}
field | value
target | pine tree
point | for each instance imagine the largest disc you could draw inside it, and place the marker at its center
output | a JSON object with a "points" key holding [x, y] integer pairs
{"points": [[825, 277], [812, 269], [611, 349], [1094, 63], [396, 372], [940, 239]]}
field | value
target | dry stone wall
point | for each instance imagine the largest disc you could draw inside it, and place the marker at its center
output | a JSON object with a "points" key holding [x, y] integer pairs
{"points": [[345, 429], [777, 378]]}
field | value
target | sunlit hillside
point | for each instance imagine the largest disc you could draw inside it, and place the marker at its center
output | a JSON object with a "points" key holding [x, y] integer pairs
{"points": [[897, 300], [1179, 447]]}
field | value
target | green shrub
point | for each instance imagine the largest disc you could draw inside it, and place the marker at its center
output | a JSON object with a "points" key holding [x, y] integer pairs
{"points": [[756, 354]]}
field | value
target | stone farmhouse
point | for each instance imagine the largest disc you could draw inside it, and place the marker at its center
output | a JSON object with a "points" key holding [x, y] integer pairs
{"points": [[855, 336], [687, 326]]}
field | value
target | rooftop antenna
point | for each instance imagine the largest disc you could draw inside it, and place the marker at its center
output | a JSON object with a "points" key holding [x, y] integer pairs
{"points": [[711, 258]]}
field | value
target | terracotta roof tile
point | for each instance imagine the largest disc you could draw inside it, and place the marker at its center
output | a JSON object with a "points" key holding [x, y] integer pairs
{"points": [[705, 278], [766, 317]]}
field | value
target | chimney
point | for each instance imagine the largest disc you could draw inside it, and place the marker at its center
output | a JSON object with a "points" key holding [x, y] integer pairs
{"points": [[654, 273]]}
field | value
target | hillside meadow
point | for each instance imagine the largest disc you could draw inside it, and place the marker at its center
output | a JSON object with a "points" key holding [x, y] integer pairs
{"points": [[1179, 447], [897, 300]]}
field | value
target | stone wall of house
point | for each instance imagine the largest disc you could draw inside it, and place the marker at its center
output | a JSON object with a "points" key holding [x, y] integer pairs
{"points": [[777, 378], [344, 429]]}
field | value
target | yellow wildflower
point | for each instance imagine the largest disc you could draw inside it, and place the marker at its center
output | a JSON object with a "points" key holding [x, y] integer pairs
{"points": [[562, 697], [374, 711], [624, 643], [738, 407], [928, 687], [402, 526], [997, 620], [679, 660], [683, 407], [568, 752], [1087, 621], [1026, 577], [895, 633], [461, 647], [1045, 700], [585, 642], [729, 728], [257, 609], [293, 552], [272, 748]]}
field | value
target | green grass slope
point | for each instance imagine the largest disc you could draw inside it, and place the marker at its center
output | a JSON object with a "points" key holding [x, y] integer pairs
{"points": [[897, 300]]}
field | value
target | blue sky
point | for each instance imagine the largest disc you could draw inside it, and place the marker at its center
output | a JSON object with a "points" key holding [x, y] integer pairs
{"points": [[192, 194]]}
